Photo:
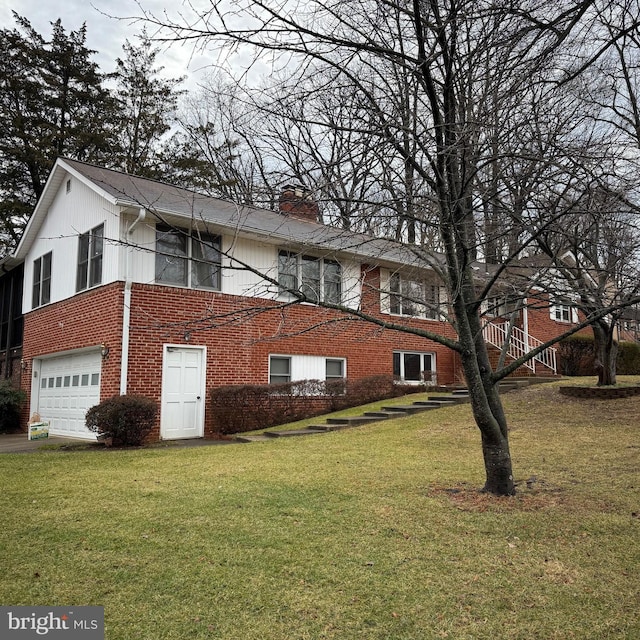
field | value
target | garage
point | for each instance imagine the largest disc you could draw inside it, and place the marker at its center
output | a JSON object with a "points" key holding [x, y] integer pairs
{"points": [[67, 387]]}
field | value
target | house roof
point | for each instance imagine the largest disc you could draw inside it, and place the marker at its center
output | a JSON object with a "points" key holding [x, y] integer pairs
{"points": [[172, 203]]}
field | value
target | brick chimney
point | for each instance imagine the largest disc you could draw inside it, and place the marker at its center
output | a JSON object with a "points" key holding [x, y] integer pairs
{"points": [[298, 202]]}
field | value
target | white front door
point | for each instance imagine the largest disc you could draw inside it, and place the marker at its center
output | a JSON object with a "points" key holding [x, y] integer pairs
{"points": [[183, 392]]}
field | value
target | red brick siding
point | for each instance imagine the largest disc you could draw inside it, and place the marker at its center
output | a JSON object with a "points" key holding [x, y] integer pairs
{"points": [[89, 319], [241, 333]]}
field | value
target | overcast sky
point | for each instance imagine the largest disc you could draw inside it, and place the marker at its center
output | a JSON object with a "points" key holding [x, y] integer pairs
{"points": [[104, 34]]}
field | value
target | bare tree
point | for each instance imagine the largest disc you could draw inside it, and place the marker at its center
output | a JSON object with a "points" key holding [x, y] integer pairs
{"points": [[596, 262], [465, 57]]}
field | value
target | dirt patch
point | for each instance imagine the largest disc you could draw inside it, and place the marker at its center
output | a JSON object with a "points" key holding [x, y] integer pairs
{"points": [[531, 495]]}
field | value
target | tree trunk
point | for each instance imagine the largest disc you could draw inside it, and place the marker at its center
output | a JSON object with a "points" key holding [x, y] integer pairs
{"points": [[485, 401], [606, 353], [489, 417], [497, 465]]}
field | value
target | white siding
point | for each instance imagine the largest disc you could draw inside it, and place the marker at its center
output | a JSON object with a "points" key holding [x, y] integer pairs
{"points": [[70, 215], [309, 367], [351, 284], [240, 281], [142, 258], [237, 279]]}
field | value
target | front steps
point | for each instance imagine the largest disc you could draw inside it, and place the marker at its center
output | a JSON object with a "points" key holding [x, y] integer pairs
{"points": [[457, 396]]}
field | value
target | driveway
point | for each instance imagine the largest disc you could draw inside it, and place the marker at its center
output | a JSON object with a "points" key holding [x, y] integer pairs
{"points": [[19, 443]]}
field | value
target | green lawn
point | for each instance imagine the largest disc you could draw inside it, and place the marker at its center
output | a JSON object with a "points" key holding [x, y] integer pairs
{"points": [[375, 532]]}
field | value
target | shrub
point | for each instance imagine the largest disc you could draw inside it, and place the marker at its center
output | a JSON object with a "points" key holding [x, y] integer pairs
{"points": [[628, 363], [576, 356], [128, 420], [352, 393], [10, 401], [248, 407]]}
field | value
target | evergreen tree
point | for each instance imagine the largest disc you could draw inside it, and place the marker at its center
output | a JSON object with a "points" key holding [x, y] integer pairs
{"points": [[148, 104], [52, 102]]}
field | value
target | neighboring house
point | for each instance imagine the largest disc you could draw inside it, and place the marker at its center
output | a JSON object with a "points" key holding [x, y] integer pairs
{"points": [[135, 286]]}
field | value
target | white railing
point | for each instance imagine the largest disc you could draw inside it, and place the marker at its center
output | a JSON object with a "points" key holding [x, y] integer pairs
{"points": [[519, 344]]}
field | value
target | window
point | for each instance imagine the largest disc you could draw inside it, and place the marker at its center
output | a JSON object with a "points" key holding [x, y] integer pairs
{"points": [[502, 306], [316, 278], [279, 369], [334, 369], [90, 248], [41, 281], [561, 311], [187, 260], [286, 368], [414, 298], [413, 367]]}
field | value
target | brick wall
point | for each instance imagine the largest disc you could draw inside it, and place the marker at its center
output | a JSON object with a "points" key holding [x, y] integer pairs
{"points": [[241, 333], [90, 319]]}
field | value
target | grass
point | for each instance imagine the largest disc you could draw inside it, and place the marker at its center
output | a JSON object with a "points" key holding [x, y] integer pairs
{"points": [[372, 533]]}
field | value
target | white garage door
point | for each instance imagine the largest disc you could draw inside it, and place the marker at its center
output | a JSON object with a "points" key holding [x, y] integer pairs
{"points": [[69, 385]]}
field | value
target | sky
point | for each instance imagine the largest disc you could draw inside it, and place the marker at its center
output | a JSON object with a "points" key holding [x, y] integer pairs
{"points": [[106, 34]]}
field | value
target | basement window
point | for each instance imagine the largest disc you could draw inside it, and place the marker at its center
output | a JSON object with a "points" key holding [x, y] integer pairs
{"points": [[413, 367]]}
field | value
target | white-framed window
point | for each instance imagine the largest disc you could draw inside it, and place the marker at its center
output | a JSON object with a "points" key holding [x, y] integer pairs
{"points": [[318, 279], [189, 260], [334, 369], [90, 250], [414, 366], [291, 368], [415, 298], [501, 306], [41, 291], [563, 311], [279, 369]]}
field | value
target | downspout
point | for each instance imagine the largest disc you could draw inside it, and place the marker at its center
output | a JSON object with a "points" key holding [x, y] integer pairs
{"points": [[126, 309], [525, 328]]}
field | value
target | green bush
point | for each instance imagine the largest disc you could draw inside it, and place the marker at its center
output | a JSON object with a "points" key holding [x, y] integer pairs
{"points": [[128, 420], [10, 401]]}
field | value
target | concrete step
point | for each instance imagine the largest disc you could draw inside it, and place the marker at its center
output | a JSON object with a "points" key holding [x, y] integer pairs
{"points": [[323, 428], [448, 399], [383, 414], [353, 421], [407, 409], [257, 438], [290, 433], [445, 403]]}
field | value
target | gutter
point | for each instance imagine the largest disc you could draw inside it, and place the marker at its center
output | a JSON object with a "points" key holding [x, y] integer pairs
{"points": [[126, 309]]}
